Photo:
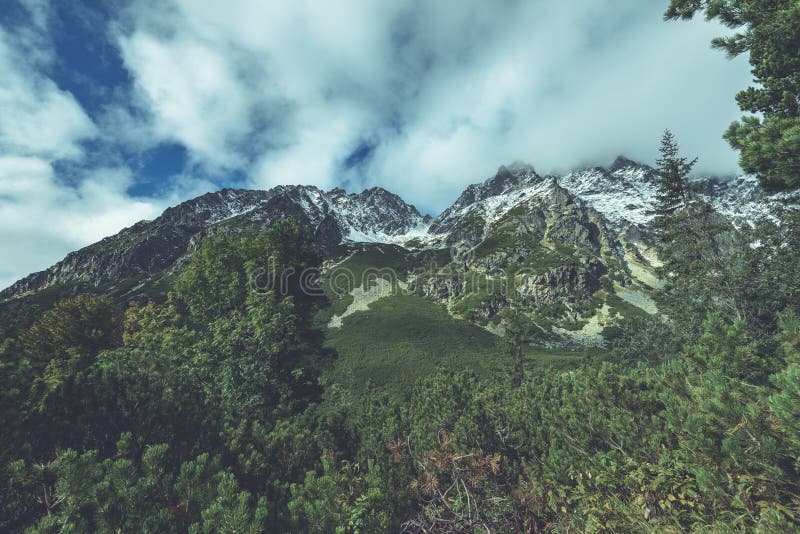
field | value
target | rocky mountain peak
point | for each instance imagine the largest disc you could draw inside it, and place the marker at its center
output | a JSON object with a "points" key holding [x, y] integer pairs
{"points": [[380, 197], [212, 207], [623, 195], [508, 178], [149, 249], [499, 193], [623, 163]]}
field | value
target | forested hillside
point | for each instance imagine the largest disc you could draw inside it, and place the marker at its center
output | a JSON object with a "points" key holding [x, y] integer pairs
{"points": [[245, 395]]}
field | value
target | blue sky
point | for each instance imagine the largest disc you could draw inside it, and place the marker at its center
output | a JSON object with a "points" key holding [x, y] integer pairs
{"points": [[112, 111]]}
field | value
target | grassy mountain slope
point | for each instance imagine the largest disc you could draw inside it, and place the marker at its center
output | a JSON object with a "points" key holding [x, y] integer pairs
{"points": [[403, 338]]}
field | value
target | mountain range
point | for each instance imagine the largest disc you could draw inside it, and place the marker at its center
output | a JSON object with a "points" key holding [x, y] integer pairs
{"points": [[575, 245]]}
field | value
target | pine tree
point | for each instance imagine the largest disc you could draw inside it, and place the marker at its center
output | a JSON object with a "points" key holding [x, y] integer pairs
{"points": [[673, 171], [677, 243], [82, 325], [688, 233], [785, 402], [768, 140]]}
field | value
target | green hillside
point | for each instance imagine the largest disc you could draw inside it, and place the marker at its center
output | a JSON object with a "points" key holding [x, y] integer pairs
{"points": [[404, 338]]}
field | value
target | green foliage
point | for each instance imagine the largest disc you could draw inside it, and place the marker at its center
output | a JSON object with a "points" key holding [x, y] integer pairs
{"points": [[402, 338], [232, 416], [359, 263], [226, 269], [344, 498], [221, 431], [686, 445], [214, 282], [776, 283], [697, 271], [15, 321], [83, 325], [517, 329], [785, 402], [235, 387], [139, 491], [405, 337], [769, 142], [232, 511], [647, 338]]}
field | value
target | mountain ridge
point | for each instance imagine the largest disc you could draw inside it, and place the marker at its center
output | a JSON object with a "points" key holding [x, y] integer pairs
{"points": [[623, 193]]}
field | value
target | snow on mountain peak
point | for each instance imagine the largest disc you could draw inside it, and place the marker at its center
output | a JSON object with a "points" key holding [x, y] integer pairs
{"points": [[625, 193], [495, 196], [375, 214]]}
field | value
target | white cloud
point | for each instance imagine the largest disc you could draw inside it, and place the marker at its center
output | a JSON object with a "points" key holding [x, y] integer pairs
{"points": [[324, 134], [447, 93], [41, 217], [259, 84], [193, 92], [543, 93], [284, 92], [36, 117], [41, 220]]}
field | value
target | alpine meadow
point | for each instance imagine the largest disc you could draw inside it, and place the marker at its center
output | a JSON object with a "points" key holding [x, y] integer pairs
{"points": [[593, 343]]}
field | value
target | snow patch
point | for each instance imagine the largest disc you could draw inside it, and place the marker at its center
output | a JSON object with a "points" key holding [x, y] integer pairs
{"points": [[638, 299], [362, 298], [591, 333]]}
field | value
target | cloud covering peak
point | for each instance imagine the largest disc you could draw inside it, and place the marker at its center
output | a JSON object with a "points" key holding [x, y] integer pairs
{"points": [[132, 108]]}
